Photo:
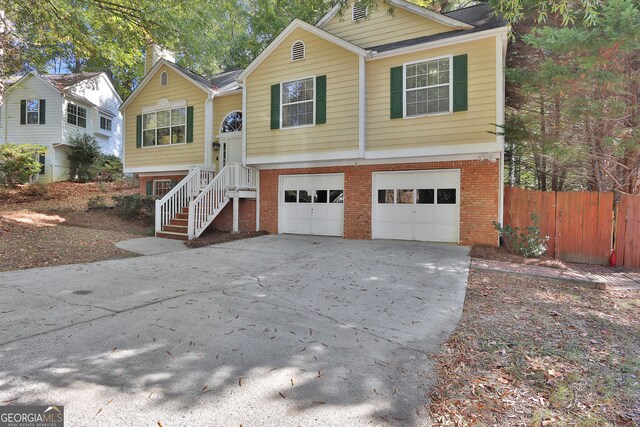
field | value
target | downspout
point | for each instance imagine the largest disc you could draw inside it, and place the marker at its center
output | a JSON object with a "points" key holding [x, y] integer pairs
{"points": [[208, 131], [243, 85]]}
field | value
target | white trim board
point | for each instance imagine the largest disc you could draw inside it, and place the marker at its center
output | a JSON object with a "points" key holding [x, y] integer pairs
{"points": [[303, 157], [421, 11], [294, 25], [389, 161], [167, 168]]}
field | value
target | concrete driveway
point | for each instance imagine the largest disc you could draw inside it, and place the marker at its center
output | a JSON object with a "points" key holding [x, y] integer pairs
{"points": [[275, 330]]}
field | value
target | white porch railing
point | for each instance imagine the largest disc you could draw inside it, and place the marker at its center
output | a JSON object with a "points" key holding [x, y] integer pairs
{"points": [[213, 198], [180, 195]]}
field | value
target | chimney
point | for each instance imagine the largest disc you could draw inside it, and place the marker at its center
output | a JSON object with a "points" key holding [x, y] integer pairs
{"points": [[154, 53]]}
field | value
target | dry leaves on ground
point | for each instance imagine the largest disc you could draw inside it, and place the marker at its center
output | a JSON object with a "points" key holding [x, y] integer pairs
{"points": [[531, 352]]}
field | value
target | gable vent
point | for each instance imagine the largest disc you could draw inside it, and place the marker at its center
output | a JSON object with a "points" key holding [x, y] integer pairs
{"points": [[297, 51], [164, 79], [358, 11]]}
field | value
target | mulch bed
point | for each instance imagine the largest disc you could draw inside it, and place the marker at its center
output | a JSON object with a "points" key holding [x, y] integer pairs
{"points": [[534, 353], [212, 237], [501, 254]]}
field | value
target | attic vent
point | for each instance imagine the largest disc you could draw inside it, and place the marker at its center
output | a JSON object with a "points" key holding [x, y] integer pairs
{"points": [[297, 51], [358, 11], [164, 79]]}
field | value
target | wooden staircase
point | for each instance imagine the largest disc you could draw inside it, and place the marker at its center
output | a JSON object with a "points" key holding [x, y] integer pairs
{"points": [[178, 227]]}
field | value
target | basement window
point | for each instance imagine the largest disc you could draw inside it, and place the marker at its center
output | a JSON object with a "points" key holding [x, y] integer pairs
{"points": [[161, 187]]}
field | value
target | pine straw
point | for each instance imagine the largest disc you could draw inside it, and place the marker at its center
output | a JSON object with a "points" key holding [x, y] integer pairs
{"points": [[502, 254], [532, 353]]}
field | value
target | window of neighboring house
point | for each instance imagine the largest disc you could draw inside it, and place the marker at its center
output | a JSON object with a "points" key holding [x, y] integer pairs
{"points": [[41, 159], [33, 111], [428, 87], [298, 98], [164, 127], [161, 187], [105, 123], [76, 115]]}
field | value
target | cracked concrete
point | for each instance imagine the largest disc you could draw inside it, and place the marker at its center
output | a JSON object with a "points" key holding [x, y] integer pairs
{"points": [[275, 330]]}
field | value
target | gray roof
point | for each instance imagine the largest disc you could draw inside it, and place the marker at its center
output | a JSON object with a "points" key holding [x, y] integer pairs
{"points": [[216, 82], [481, 16]]}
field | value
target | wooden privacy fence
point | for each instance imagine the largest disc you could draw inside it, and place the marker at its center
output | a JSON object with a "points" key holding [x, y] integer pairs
{"points": [[580, 224]]}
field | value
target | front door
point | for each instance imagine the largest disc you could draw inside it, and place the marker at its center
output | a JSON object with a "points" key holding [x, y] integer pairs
{"points": [[230, 148]]}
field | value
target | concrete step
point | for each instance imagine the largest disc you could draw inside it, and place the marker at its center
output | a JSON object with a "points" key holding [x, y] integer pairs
{"points": [[183, 229], [179, 222], [172, 235]]}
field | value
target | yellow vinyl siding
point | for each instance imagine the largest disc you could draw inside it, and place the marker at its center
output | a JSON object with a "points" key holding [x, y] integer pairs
{"points": [[222, 106], [340, 132], [382, 28], [457, 128], [179, 88]]}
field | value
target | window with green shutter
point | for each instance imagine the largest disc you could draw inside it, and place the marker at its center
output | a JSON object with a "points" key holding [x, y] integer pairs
{"points": [[396, 92], [275, 106], [460, 79]]}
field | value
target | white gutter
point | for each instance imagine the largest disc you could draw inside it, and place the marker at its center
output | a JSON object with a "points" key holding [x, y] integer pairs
{"points": [[208, 130]]}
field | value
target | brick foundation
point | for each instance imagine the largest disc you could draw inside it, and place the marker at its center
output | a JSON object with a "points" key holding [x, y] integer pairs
{"points": [[479, 191], [246, 216], [145, 179]]}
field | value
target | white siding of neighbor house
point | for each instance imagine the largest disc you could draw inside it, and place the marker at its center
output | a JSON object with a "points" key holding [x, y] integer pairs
{"points": [[69, 130], [99, 91], [47, 135]]}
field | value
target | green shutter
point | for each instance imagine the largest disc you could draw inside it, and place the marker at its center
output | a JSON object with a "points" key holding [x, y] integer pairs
{"points": [[275, 106], [321, 100], [43, 110], [460, 102], [23, 112], [138, 131], [149, 188], [189, 124], [396, 92]]}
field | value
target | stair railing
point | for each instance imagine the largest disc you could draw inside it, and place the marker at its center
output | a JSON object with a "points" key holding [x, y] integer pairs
{"points": [[179, 196], [211, 200]]}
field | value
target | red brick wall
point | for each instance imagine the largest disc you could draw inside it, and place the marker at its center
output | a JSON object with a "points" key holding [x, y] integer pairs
{"points": [[246, 217], [479, 188], [145, 179]]}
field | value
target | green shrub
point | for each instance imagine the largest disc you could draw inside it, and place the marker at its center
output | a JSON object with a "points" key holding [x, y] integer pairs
{"points": [[96, 202], [133, 206], [84, 152], [107, 167], [18, 162], [529, 243]]}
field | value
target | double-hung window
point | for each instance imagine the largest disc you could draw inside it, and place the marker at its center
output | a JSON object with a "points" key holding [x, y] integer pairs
{"points": [[33, 111], [164, 127], [298, 101], [105, 123], [76, 115], [428, 88]]}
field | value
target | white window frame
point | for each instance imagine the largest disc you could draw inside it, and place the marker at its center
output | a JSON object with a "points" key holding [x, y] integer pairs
{"points": [[155, 186], [170, 126], [27, 111], [162, 75], [304, 50], [404, 87], [313, 101], [103, 130], [77, 116]]}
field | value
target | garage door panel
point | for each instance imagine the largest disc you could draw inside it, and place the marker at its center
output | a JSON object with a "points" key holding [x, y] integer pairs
{"points": [[316, 208], [417, 205]]}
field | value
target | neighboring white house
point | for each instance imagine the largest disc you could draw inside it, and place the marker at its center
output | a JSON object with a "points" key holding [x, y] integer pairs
{"points": [[50, 109]]}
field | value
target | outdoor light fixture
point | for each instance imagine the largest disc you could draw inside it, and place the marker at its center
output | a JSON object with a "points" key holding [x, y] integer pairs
{"points": [[216, 144]]}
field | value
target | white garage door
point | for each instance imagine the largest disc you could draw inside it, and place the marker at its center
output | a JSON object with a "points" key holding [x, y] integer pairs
{"points": [[312, 204], [417, 205]]}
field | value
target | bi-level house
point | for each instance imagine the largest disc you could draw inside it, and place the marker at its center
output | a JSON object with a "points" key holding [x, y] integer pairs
{"points": [[49, 109], [366, 125]]}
